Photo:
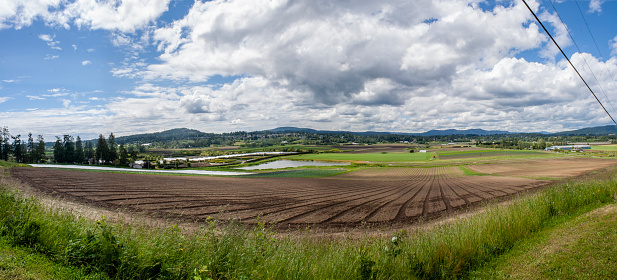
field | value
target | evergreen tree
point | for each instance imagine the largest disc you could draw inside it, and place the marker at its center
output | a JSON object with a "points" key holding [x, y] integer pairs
{"points": [[18, 148], [124, 155], [102, 150], [59, 151], [79, 151], [69, 149], [5, 138], [31, 155], [40, 149], [113, 150], [89, 151]]}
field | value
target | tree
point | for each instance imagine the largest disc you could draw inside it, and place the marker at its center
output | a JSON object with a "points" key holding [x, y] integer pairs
{"points": [[19, 148], [113, 151], [102, 150], [59, 151], [124, 155], [89, 151], [40, 149], [541, 144], [5, 138], [79, 151], [31, 149], [69, 149]]}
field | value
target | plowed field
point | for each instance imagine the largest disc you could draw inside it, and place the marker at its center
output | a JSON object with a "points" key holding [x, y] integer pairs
{"points": [[371, 196]]}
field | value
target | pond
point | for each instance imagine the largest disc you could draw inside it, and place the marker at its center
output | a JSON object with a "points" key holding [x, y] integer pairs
{"points": [[290, 163]]}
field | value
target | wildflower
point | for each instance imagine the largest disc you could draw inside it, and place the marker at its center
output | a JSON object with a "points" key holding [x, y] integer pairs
{"points": [[394, 239]]}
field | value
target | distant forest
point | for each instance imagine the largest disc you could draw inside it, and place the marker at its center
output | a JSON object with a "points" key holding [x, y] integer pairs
{"points": [[121, 150]]}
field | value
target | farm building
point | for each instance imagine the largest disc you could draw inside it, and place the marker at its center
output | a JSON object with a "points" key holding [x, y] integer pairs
{"points": [[569, 148]]}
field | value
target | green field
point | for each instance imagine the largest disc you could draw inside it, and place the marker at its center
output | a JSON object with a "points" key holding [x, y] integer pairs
{"points": [[487, 153], [605, 147], [372, 157], [419, 157]]}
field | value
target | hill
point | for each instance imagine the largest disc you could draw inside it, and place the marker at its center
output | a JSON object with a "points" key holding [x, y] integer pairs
{"points": [[428, 133], [598, 130], [167, 135]]}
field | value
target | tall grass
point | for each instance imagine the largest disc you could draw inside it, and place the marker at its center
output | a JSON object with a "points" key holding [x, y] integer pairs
{"points": [[232, 251]]}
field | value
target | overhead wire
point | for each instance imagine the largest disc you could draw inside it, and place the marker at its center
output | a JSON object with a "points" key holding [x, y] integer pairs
{"points": [[582, 54], [597, 48], [570, 62]]}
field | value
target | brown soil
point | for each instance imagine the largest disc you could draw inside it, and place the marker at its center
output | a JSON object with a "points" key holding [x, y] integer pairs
{"points": [[377, 196], [554, 168]]}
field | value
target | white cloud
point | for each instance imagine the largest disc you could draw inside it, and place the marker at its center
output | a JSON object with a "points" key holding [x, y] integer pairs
{"points": [[336, 52], [595, 6], [50, 57], [9, 81], [19, 14], [50, 41], [121, 15], [33, 97], [74, 47], [4, 99], [124, 16], [613, 46], [90, 50], [86, 62]]}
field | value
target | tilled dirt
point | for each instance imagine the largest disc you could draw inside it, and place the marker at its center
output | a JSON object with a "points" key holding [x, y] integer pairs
{"points": [[552, 168], [378, 196]]}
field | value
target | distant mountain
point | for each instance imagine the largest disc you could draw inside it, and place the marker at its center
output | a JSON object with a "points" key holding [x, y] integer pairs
{"points": [[462, 132], [598, 130], [428, 133]]}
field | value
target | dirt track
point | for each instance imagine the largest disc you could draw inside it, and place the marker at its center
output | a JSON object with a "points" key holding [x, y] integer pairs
{"points": [[372, 196]]}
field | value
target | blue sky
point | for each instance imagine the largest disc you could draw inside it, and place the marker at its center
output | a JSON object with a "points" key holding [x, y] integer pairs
{"points": [[84, 67]]}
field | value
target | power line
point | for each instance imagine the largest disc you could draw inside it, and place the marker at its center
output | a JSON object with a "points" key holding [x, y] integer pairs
{"points": [[597, 48], [581, 52], [564, 55]]}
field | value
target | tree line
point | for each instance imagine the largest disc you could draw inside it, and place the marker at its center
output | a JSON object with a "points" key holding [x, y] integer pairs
{"points": [[21, 151], [70, 150], [66, 149]]}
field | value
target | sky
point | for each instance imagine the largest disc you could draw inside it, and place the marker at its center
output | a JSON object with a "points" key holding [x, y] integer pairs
{"points": [[90, 67]]}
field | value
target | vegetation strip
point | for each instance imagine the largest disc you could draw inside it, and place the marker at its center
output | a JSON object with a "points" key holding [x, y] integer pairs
{"points": [[231, 251]]}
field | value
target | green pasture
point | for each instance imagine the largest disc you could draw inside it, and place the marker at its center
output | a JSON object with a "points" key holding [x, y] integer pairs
{"points": [[604, 147], [372, 157], [488, 153]]}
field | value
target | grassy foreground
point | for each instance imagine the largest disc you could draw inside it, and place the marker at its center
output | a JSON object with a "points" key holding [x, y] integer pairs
{"points": [[231, 251], [581, 246]]}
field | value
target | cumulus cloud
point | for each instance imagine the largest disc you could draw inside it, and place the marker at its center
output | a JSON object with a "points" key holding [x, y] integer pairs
{"points": [[124, 16], [120, 15], [367, 53], [19, 14], [86, 62]]}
